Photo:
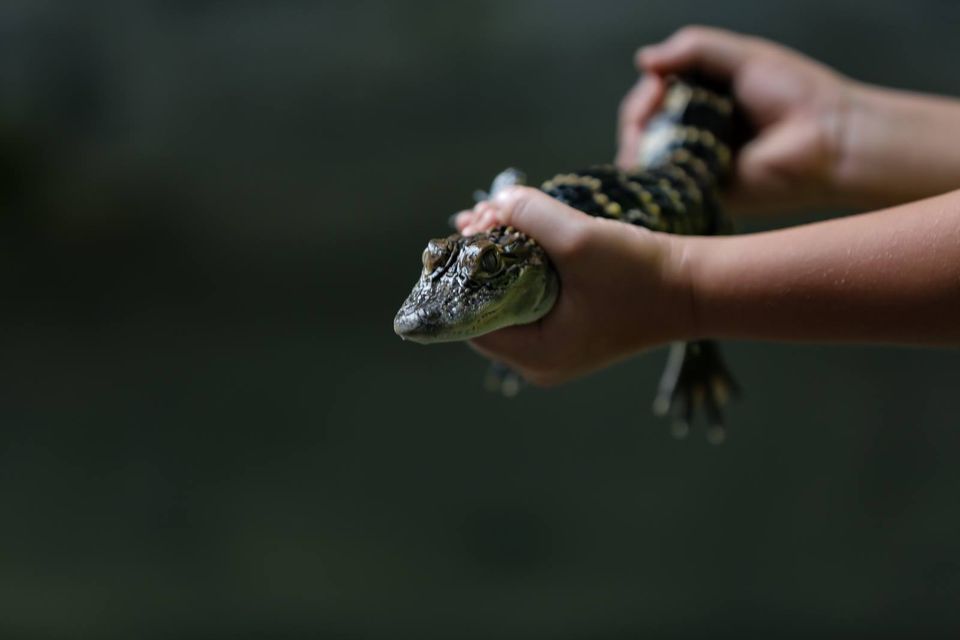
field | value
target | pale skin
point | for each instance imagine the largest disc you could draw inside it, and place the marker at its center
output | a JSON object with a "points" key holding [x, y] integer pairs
{"points": [[823, 140]]}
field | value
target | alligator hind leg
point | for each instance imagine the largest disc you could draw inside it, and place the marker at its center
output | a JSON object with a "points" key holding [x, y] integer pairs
{"points": [[503, 380], [695, 378]]}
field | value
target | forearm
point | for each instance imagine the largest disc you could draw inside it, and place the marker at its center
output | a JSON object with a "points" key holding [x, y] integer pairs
{"points": [[892, 276], [896, 146]]}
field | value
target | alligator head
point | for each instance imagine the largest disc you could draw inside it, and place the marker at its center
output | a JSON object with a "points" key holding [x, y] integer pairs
{"points": [[476, 284]]}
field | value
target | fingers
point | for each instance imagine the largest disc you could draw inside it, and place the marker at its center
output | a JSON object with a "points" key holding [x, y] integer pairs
{"points": [[635, 110], [522, 349], [462, 219], [553, 224], [480, 218], [514, 346], [714, 51], [760, 166]]}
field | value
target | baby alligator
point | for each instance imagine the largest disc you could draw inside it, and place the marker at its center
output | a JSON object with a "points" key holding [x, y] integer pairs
{"points": [[473, 285]]}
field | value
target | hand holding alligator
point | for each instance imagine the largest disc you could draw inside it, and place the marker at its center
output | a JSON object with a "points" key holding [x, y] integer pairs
{"points": [[822, 139], [622, 281], [796, 105]]}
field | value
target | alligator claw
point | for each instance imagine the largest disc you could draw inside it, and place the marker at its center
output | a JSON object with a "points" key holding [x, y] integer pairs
{"points": [[694, 380], [503, 380]]}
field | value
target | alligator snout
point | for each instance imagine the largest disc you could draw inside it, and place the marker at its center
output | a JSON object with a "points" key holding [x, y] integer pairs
{"points": [[417, 326]]}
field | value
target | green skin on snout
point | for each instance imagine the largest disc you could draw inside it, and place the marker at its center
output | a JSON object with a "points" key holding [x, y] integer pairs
{"points": [[477, 284]]}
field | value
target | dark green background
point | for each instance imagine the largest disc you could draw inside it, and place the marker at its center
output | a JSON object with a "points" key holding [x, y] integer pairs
{"points": [[210, 213]]}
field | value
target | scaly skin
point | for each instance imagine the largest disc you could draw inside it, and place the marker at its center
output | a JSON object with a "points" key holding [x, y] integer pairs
{"points": [[686, 157], [477, 284]]}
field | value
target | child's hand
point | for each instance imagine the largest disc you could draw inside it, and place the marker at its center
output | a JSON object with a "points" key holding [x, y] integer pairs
{"points": [[797, 106], [622, 289]]}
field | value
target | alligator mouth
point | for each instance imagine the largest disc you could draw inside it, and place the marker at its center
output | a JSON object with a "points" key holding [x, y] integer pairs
{"points": [[413, 326]]}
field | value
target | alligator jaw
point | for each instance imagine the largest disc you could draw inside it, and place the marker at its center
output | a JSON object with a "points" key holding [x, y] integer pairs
{"points": [[422, 327]]}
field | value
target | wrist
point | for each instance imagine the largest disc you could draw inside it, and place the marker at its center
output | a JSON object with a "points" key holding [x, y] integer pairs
{"points": [[849, 130], [714, 274], [682, 271], [891, 146]]}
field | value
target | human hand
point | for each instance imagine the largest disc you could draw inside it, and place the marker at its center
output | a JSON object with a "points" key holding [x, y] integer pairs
{"points": [[797, 106], [623, 288]]}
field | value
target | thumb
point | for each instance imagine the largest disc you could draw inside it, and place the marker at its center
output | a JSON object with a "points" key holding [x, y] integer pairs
{"points": [[555, 226], [635, 109]]}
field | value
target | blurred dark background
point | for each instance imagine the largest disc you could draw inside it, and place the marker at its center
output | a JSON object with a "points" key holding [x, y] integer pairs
{"points": [[210, 211]]}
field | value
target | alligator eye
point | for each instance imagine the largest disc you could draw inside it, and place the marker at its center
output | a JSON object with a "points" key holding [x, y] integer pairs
{"points": [[490, 261]]}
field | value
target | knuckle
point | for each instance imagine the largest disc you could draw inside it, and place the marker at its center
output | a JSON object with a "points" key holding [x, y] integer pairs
{"points": [[689, 35], [523, 195], [522, 199], [576, 242], [519, 191], [696, 38], [517, 199]]}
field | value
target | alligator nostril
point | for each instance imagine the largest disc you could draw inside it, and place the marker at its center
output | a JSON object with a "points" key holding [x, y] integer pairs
{"points": [[406, 324]]}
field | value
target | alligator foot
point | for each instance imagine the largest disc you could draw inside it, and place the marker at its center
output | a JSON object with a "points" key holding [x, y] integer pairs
{"points": [[695, 378], [503, 380]]}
